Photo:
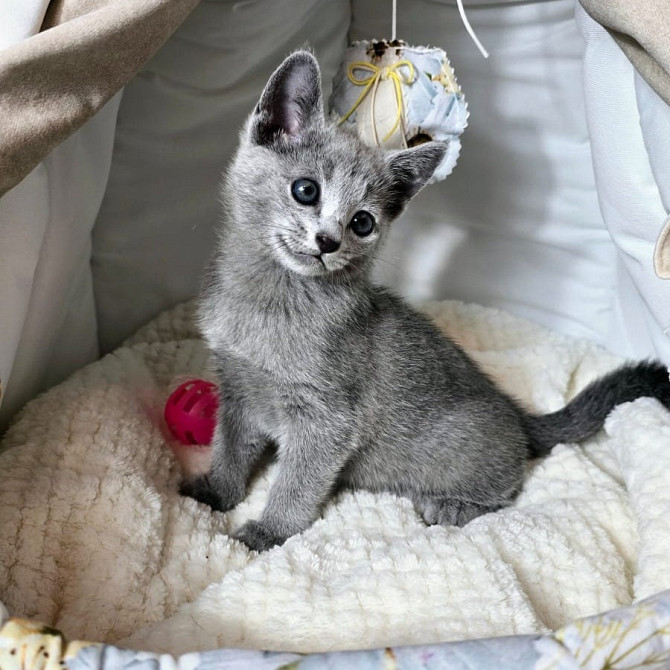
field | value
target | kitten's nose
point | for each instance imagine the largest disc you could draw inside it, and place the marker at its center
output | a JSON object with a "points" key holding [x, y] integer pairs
{"points": [[327, 244]]}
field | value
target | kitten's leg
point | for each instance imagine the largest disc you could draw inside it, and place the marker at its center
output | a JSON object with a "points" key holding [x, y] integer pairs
{"points": [[236, 448], [308, 470]]}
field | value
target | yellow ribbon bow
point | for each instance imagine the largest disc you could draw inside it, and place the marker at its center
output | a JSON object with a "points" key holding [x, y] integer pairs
{"points": [[371, 82]]}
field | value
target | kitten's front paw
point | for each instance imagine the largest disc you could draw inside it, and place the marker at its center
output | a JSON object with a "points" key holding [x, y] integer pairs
{"points": [[201, 490], [258, 537]]}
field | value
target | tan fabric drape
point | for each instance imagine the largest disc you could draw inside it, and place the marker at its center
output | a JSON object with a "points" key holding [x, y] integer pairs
{"points": [[53, 82], [641, 28]]}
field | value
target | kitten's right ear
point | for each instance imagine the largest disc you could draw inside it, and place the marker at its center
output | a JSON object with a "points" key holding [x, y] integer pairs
{"points": [[291, 101]]}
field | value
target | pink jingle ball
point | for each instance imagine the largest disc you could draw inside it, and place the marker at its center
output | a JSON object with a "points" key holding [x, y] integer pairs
{"points": [[190, 412]]}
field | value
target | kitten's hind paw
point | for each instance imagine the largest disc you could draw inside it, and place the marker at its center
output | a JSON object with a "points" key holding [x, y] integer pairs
{"points": [[201, 490], [258, 537], [452, 511]]}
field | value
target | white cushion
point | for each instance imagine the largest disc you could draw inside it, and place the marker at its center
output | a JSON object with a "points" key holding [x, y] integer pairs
{"points": [[19, 20], [48, 313], [628, 125]]}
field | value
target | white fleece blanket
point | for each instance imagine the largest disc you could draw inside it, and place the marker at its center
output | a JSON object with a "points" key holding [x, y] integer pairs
{"points": [[97, 542]]}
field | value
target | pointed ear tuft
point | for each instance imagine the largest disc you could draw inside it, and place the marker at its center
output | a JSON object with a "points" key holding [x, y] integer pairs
{"points": [[410, 171], [291, 101]]}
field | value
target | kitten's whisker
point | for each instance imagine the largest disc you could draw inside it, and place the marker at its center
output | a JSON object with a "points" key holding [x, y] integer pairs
{"points": [[275, 226], [376, 258]]}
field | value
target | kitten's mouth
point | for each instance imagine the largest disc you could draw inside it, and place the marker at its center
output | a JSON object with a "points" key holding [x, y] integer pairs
{"points": [[309, 263], [312, 263]]}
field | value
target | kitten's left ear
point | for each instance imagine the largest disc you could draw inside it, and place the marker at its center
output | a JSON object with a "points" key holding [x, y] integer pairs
{"points": [[291, 101], [410, 171]]}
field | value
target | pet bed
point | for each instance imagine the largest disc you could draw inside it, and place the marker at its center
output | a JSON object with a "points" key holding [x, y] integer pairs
{"points": [[99, 544]]}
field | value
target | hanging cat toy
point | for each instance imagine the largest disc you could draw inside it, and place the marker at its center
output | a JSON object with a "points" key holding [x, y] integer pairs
{"points": [[397, 96]]}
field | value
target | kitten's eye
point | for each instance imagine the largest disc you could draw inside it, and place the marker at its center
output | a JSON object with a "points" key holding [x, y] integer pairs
{"points": [[362, 223], [305, 191]]}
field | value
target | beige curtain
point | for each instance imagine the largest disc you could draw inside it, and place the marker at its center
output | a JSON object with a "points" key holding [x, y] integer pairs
{"points": [[55, 165], [53, 82]]}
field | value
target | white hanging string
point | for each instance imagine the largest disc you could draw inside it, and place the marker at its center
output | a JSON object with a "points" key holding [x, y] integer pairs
{"points": [[471, 32], [464, 18]]}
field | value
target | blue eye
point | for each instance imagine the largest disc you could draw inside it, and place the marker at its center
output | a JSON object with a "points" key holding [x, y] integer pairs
{"points": [[305, 191], [362, 223]]}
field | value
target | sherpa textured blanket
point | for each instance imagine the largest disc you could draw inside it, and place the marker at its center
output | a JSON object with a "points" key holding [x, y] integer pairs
{"points": [[97, 541]]}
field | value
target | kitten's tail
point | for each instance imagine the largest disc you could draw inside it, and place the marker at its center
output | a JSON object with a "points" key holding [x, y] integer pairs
{"points": [[586, 413]]}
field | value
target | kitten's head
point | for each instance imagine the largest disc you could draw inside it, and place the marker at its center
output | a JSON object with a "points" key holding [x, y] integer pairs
{"points": [[310, 195]]}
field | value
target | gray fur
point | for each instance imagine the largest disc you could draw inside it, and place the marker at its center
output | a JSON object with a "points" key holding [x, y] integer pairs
{"points": [[353, 387]]}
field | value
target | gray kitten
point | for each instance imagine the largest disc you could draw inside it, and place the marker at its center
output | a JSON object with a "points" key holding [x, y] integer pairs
{"points": [[353, 387]]}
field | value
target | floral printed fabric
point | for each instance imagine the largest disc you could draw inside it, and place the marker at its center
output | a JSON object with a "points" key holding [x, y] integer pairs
{"points": [[634, 637], [26, 645]]}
